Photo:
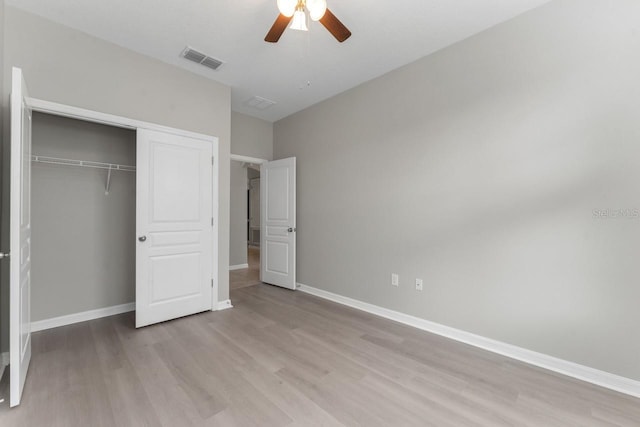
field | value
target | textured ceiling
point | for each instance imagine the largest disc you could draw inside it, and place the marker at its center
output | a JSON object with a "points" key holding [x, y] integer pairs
{"points": [[303, 68]]}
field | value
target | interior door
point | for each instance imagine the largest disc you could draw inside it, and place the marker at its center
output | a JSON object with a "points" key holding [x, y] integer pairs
{"points": [[278, 223], [20, 237], [174, 222]]}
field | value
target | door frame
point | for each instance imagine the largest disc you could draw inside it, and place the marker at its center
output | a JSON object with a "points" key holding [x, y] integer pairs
{"points": [[69, 111], [247, 159]]}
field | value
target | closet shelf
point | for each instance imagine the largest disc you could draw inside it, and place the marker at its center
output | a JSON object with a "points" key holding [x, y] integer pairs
{"points": [[82, 163], [86, 164]]}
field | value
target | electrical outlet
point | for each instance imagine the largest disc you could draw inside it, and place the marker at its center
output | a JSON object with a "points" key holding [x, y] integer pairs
{"points": [[419, 285], [395, 280]]}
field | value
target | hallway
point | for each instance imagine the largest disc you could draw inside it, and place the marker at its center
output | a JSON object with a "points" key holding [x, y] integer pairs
{"points": [[247, 276]]}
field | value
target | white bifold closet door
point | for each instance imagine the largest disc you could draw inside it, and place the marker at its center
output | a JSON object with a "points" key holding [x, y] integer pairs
{"points": [[174, 222], [20, 239]]}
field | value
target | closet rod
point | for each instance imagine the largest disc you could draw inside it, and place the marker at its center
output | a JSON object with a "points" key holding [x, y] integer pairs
{"points": [[82, 163]]}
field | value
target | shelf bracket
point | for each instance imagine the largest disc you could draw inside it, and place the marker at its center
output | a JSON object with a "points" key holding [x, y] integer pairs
{"points": [[106, 191]]}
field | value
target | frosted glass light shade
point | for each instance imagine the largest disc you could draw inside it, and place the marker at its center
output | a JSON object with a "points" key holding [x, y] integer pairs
{"points": [[299, 21], [316, 8], [287, 7]]}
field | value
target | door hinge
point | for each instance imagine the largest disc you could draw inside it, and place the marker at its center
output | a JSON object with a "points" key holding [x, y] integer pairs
{"points": [[4, 255], [213, 160], [212, 221], [212, 283]]}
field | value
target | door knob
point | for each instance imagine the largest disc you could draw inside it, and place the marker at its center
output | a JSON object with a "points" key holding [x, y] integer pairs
{"points": [[142, 238]]}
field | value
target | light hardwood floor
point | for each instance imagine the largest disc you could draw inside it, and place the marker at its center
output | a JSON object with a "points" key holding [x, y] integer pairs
{"points": [[247, 276], [283, 358]]}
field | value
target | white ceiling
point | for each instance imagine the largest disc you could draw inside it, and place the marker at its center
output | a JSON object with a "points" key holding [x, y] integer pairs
{"points": [[303, 68]]}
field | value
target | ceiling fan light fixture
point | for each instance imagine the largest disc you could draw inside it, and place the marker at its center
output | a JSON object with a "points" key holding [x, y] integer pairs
{"points": [[317, 9], [287, 7], [299, 21]]}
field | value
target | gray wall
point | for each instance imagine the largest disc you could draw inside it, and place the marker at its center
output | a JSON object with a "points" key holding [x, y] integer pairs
{"points": [[254, 138], [83, 240], [70, 67], [478, 170], [238, 216], [251, 136], [252, 173]]}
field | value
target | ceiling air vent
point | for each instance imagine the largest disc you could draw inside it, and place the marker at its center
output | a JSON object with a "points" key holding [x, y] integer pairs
{"points": [[201, 58], [259, 103]]}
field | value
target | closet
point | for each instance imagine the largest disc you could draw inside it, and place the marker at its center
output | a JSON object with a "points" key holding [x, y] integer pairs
{"points": [[110, 233], [107, 214], [83, 217]]}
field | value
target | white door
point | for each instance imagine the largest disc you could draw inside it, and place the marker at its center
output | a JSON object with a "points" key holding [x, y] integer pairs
{"points": [[278, 223], [20, 237], [174, 222]]}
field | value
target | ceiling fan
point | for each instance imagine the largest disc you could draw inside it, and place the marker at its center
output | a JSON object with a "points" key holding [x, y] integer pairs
{"points": [[294, 10]]}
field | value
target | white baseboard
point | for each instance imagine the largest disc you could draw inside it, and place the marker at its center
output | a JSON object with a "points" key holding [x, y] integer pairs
{"points": [[571, 369], [238, 267], [223, 305], [70, 319]]}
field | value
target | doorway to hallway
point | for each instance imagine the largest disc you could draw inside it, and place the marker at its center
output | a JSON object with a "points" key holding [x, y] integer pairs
{"points": [[247, 276]]}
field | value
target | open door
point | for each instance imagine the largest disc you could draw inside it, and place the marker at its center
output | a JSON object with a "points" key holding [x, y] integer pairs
{"points": [[278, 223], [20, 237], [174, 222]]}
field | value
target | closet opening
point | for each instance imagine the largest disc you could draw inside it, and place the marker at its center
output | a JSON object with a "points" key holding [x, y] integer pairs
{"points": [[83, 214], [92, 235]]}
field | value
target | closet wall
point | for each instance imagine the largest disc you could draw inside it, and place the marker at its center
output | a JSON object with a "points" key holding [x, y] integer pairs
{"points": [[83, 240]]}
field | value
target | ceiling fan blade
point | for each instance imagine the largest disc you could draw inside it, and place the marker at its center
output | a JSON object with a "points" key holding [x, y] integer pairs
{"points": [[335, 27], [278, 28]]}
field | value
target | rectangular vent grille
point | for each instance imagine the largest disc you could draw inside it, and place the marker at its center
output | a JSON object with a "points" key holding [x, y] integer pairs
{"points": [[211, 63], [201, 58], [259, 103]]}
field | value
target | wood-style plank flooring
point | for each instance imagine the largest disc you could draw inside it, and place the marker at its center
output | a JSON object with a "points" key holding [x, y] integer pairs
{"points": [[247, 276], [283, 358]]}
